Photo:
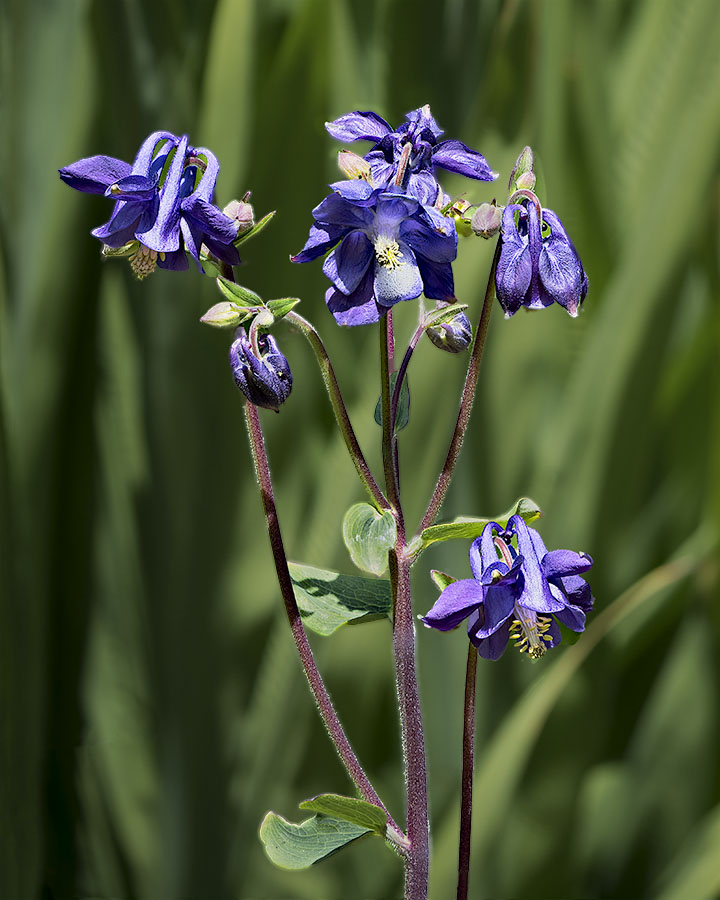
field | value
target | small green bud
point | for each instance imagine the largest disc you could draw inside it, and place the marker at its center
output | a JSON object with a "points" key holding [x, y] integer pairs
{"points": [[487, 220], [526, 182], [223, 315], [264, 319], [524, 163]]}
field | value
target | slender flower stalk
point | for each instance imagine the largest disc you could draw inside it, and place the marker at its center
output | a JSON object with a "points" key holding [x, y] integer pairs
{"points": [[317, 685], [411, 724], [468, 758], [466, 401], [338, 404]]}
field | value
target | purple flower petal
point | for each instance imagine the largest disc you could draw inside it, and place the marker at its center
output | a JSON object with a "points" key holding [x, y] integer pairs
{"points": [[483, 554], [164, 236], [176, 260], [211, 220], [423, 186], [456, 157], [514, 268], [94, 174], [498, 606], [578, 592], [357, 190], [538, 298], [454, 604], [432, 236], [336, 210], [122, 225], [536, 594], [358, 126], [320, 240], [347, 264], [401, 282], [132, 187], [358, 308], [560, 269], [206, 185], [572, 617], [438, 282], [491, 647], [558, 563]]}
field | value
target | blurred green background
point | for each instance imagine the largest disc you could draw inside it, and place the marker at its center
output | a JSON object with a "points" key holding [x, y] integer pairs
{"points": [[152, 705]]}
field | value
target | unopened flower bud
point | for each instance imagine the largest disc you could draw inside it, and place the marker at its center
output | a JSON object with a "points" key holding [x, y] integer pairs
{"points": [[222, 315], [453, 336], [526, 182], [242, 213], [524, 163], [354, 166], [266, 380], [487, 220]]}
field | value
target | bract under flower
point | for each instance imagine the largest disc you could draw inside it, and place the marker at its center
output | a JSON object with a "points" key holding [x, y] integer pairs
{"points": [[387, 248], [407, 157], [518, 590]]}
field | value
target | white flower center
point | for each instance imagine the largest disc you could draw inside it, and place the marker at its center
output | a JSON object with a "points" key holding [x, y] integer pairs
{"points": [[388, 252]]}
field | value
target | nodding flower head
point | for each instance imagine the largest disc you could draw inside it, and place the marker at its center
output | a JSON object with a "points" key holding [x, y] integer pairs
{"points": [[262, 373], [453, 336], [163, 202], [519, 590], [408, 156], [538, 263]]}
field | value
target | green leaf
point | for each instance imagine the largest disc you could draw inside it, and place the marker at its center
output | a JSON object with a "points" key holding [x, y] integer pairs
{"points": [[402, 415], [237, 293], [441, 579], [349, 809], [466, 527], [328, 600], [369, 535], [292, 846], [282, 307], [256, 229]]}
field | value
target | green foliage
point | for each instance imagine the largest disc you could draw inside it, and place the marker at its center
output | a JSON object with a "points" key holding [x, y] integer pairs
{"points": [[402, 415], [151, 707], [292, 846], [349, 809], [328, 600], [368, 535], [468, 527]]}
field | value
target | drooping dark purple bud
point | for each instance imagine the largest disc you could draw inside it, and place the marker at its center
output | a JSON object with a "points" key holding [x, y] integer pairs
{"points": [[266, 380], [453, 336]]}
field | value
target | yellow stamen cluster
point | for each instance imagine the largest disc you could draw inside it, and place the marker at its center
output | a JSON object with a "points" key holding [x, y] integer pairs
{"points": [[529, 631], [143, 261], [388, 253]]}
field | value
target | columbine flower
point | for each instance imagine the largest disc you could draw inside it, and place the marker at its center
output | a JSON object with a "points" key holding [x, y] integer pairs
{"points": [[516, 591], [453, 336], [165, 217], [264, 377], [412, 152], [390, 249], [538, 263]]}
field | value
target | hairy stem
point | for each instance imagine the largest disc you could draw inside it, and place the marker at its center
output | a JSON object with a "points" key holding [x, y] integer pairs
{"points": [[466, 401], [317, 685], [411, 725], [468, 755], [339, 408]]}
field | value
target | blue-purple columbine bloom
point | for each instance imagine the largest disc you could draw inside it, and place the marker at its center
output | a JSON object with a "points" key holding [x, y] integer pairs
{"points": [[536, 268], [389, 248], [518, 592], [167, 216], [414, 148], [265, 379]]}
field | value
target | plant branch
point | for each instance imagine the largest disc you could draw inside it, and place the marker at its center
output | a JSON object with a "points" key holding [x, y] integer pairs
{"points": [[468, 755], [339, 408], [466, 401]]}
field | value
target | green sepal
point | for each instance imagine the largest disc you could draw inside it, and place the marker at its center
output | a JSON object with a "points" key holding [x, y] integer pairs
{"points": [[468, 528], [441, 579], [569, 636], [291, 846], [444, 315], [402, 414], [369, 535], [256, 229], [282, 307], [210, 267], [349, 809], [327, 600], [237, 293], [523, 164]]}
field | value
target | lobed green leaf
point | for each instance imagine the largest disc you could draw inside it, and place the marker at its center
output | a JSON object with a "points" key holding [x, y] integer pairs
{"points": [[369, 535], [291, 846], [349, 809]]}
